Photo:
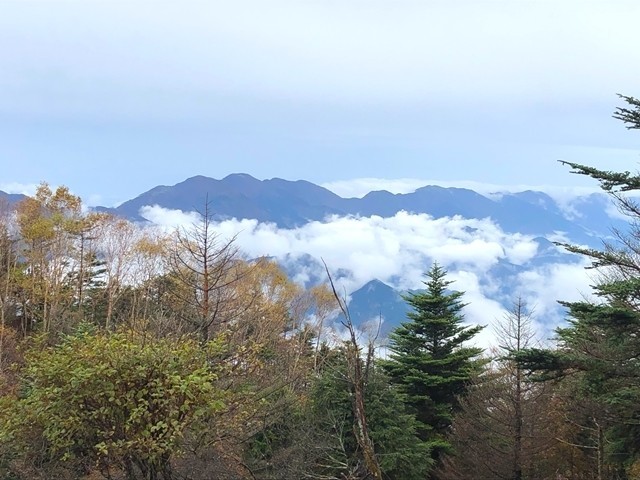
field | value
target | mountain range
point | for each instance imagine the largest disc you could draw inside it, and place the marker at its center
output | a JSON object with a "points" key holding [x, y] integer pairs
{"points": [[292, 204], [10, 198]]}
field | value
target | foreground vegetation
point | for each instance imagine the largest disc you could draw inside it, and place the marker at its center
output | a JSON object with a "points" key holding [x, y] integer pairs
{"points": [[130, 353]]}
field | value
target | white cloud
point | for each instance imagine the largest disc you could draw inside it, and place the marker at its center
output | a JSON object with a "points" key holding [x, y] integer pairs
{"points": [[399, 249], [520, 252], [480, 309], [543, 287], [23, 188], [168, 218], [374, 247], [93, 200], [359, 187], [405, 50]]}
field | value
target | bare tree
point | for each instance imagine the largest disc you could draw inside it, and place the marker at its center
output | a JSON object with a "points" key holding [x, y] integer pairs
{"points": [[356, 373], [204, 266], [503, 431], [115, 242], [515, 333], [8, 266]]}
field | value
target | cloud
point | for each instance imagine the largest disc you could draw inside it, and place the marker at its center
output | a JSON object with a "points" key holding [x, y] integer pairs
{"points": [[93, 200], [317, 51], [23, 188], [398, 251], [402, 246], [168, 218], [359, 187], [541, 289]]}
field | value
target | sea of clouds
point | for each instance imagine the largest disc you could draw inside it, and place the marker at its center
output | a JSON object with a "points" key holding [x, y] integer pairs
{"points": [[398, 250]]}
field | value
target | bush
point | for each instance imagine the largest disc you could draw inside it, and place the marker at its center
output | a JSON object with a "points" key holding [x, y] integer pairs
{"points": [[112, 401]]}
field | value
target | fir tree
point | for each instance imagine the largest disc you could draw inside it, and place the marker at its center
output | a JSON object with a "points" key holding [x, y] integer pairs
{"points": [[599, 347], [401, 454], [429, 360]]}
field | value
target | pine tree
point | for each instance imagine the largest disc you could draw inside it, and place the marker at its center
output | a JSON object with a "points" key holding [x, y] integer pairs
{"points": [[598, 351], [599, 348], [429, 361], [401, 454]]}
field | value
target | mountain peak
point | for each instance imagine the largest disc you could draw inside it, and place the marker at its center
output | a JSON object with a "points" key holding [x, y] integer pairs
{"points": [[240, 177], [11, 198], [290, 204]]}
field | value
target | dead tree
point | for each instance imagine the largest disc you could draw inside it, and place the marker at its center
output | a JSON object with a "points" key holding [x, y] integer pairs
{"points": [[356, 376]]}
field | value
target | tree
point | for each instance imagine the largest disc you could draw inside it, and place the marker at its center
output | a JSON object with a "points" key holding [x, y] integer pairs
{"points": [[204, 266], [270, 356], [49, 223], [429, 360], [630, 116], [598, 354], [115, 243], [503, 430], [599, 348], [149, 294], [516, 334], [116, 401], [356, 375], [393, 431], [9, 261]]}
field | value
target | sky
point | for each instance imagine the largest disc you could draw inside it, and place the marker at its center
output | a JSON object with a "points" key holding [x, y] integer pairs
{"points": [[112, 98]]}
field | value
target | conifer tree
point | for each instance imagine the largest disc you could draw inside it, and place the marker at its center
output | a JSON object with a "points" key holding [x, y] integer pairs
{"points": [[599, 347], [505, 428], [429, 360], [400, 453]]}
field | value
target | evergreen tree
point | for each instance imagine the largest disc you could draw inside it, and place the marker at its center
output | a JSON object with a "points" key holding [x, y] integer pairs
{"points": [[599, 348], [429, 360], [401, 454], [315, 438]]}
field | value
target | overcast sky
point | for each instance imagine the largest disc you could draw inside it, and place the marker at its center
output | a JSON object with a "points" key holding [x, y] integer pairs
{"points": [[112, 98]]}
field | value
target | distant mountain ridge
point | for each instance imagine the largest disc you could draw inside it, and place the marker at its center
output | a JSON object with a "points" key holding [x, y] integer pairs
{"points": [[374, 304], [378, 308], [282, 202], [11, 198], [290, 204]]}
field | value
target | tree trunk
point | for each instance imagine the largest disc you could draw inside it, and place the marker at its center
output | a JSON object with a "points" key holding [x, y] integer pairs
{"points": [[517, 446], [356, 377], [600, 434]]}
